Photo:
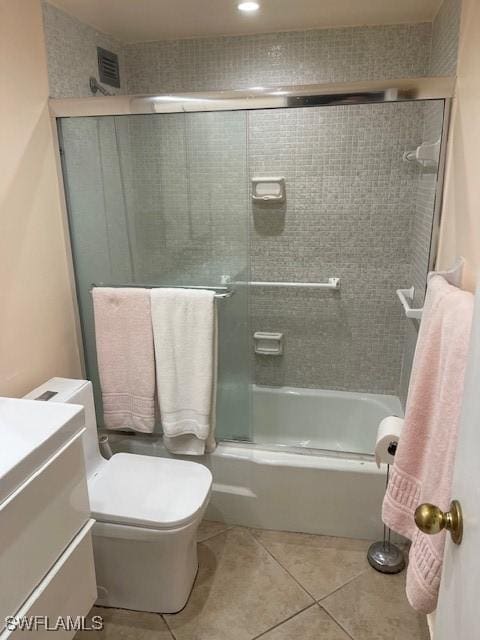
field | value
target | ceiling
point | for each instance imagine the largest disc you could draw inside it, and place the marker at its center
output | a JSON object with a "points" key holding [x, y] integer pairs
{"points": [[147, 20]]}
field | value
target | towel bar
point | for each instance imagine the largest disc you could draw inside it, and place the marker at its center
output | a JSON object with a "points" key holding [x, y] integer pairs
{"points": [[406, 296], [452, 276], [220, 292]]}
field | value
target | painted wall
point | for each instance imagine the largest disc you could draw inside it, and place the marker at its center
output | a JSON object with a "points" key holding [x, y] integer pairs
{"points": [[461, 214], [37, 326]]}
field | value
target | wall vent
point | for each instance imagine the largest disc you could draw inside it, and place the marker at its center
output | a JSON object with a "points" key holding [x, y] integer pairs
{"points": [[108, 69]]}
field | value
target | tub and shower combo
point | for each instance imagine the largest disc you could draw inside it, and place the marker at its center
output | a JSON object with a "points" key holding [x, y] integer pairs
{"points": [[306, 207]]}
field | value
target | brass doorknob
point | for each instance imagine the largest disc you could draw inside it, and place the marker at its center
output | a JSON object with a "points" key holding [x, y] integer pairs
{"points": [[430, 519]]}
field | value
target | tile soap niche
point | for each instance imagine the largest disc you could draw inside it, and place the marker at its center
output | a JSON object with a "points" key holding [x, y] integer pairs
{"points": [[268, 344], [268, 189]]}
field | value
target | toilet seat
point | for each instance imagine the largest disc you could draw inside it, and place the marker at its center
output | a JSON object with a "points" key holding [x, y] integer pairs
{"points": [[148, 492]]}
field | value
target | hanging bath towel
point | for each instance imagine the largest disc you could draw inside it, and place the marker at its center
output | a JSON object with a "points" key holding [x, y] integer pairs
{"points": [[423, 467], [126, 362], [185, 336]]}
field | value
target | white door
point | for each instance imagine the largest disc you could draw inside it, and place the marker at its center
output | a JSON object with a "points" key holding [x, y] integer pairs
{"points": [[459, 601]]}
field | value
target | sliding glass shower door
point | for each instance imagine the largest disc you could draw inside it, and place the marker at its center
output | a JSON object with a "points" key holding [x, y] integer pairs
{"points": [[163, 200]]}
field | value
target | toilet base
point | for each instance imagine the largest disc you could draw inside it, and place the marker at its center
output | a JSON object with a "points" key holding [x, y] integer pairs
{"points": [[145, 569]]}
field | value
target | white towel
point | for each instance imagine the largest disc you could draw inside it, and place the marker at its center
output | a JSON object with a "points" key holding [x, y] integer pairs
{"points": [[185, 336]]}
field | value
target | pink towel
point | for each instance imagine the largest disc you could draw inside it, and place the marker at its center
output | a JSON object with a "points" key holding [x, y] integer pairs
{"points": [[126, 365], [423, 467]]}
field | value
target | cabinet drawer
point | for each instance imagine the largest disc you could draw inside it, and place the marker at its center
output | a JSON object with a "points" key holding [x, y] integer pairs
{"points": [[69, 590], [38, 522]]}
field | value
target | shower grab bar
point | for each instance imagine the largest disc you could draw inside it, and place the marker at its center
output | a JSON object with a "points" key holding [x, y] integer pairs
{"points": [[332, 283], [220, 292]]}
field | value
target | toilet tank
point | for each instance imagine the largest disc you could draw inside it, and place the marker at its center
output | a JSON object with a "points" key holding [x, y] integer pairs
{"points": [[75, 392]]}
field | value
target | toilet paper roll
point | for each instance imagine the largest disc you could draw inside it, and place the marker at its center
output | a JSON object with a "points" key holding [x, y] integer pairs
{"points": [[389, 431]]}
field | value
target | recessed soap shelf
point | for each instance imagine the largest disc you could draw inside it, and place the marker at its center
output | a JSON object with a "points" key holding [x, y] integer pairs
{"points": [[268, 344], [268, 189]]}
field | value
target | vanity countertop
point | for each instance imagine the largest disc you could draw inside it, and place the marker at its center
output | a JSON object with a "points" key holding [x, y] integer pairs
{"points": [[31, 432]]}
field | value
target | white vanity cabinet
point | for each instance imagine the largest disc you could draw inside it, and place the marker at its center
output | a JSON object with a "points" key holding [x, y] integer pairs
{"points": [[46, 557]]}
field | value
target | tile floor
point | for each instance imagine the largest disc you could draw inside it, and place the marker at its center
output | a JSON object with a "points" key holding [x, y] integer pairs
{"points": [[277, 586]]}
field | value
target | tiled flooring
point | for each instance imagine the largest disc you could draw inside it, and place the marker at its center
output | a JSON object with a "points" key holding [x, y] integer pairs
{"points": [[277, 586]]}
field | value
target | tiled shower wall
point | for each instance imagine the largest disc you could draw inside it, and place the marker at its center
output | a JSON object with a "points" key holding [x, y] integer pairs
{"points": [[443, 61], [190, 195], [299, 57], [72, 54], [445, 31], [348, 214], [309, 245]]}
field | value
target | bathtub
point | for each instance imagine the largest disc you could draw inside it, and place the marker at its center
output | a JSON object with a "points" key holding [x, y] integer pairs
{"points": [[319, 419], [310, 469]]}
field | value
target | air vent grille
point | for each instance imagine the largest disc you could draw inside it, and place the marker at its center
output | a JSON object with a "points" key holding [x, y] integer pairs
{"points": [[108, 67]]}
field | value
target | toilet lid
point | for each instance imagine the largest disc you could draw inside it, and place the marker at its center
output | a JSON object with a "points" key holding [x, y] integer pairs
{"points": [[148, 491]]}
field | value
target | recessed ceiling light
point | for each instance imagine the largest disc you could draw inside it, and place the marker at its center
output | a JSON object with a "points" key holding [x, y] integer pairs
{"points": [[248, 6]]}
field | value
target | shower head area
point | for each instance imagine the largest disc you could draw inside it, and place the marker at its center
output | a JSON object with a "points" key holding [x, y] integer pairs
{"points": [[96, 87]]}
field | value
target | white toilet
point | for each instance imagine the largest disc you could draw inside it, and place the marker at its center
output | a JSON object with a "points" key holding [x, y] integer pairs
{"points": [[147, 511]]}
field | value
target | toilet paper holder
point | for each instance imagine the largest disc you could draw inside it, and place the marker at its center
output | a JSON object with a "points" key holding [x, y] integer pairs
{"points": [[392, 447], [388, 434], [384, 556]]}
